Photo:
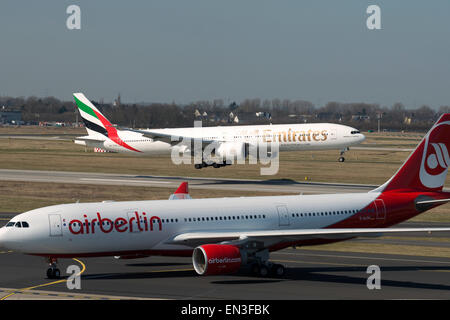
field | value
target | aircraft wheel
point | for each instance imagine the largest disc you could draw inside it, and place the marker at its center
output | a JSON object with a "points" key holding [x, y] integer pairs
{"points": [[254, 269], [263, 271], [341, 159], [198, 166], [50, 273], [278, 270], [216, 165], [56, 274], [53, 273]]}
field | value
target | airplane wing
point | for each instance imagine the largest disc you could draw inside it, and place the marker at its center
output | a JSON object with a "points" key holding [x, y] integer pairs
{"points": [[270, 236], [172, 139]]}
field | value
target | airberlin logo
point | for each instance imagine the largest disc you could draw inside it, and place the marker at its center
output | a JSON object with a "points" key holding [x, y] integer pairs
{"points": [[223, 260], [134, 223], [439, 158], [435, 158]]}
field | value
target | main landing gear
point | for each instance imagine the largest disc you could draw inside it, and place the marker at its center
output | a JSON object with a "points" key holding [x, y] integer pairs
{"points": [[261, 266], [213, 164], [267, 268], [53, 272]]}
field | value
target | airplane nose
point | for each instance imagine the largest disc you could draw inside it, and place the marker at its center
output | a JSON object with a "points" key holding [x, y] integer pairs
{"points": [[362, 138]]}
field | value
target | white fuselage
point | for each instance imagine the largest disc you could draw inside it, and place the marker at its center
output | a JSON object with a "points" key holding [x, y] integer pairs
{"points": [[289, 137], [82, 229]]}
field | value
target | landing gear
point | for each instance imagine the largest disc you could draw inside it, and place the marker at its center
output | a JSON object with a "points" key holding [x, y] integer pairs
{"points": [[211, 164], [278, 270], [341, 158], [53, 272], [267, 268]]}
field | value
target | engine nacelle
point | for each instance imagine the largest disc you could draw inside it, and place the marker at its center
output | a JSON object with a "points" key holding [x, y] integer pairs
{"points": [[232, 151], [210, 259]]}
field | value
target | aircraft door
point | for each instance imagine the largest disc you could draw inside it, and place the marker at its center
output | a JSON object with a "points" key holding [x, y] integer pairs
{"points": [[55, 226], [283, 215]]}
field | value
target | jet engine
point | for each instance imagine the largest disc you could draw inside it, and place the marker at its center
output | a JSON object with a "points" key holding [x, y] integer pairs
{"points": [[230, 151], [210, 259]]}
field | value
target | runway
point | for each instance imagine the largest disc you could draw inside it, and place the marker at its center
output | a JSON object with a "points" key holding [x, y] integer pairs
{"points": [[284, 185], [310, 274]]}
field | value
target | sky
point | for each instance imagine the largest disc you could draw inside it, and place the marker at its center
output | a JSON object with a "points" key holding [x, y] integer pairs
{"points": [[184, 51]]}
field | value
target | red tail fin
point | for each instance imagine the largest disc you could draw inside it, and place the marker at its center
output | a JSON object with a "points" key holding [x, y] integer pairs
{"points": [[426, 168]]}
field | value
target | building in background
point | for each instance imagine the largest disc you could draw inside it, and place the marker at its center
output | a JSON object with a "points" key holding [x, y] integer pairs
{"points": [[10, 116]]}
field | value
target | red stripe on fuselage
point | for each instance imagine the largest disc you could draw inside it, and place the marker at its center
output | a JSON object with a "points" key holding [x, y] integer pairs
{"points": [[399, 206], [112, 132]]}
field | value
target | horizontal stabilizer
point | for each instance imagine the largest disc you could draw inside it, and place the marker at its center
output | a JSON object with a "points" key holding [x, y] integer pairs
{"points": [[433, 201], [89, 139]]}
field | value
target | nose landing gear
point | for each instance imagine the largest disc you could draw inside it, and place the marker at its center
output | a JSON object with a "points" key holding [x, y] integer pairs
{"points": [[341, 158], [53, 272]]}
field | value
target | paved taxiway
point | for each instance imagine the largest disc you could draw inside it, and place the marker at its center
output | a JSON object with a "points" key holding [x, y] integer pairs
{"points": [[285, 185], [311, 274]]}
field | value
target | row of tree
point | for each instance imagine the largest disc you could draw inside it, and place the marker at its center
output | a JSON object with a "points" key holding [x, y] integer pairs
{"points": [[364, 116]]}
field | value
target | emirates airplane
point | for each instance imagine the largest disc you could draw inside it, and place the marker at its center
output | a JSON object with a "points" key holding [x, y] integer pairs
{"points": [[224, 234], [231, 141]]}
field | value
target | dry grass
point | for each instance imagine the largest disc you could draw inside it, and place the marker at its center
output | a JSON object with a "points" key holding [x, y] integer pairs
{"points": [[24, 196]]}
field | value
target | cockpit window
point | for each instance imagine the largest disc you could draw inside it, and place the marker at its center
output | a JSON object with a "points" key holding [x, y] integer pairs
{"points": [[25, 224], [18, 225], [355, 132], [10, 224]]}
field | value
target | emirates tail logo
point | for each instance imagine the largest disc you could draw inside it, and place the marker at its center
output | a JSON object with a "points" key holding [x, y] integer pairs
{"points": [[435, 158]]}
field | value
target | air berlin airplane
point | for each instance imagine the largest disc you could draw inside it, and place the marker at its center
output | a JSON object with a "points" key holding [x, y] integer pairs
{"points": [[224, 234], [230, 141]]}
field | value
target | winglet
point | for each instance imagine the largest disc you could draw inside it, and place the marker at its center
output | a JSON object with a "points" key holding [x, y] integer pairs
{"points": [[181, 193]]}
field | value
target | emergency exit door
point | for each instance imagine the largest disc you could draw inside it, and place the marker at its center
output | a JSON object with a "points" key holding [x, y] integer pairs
{"points": [[283, 215]]}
